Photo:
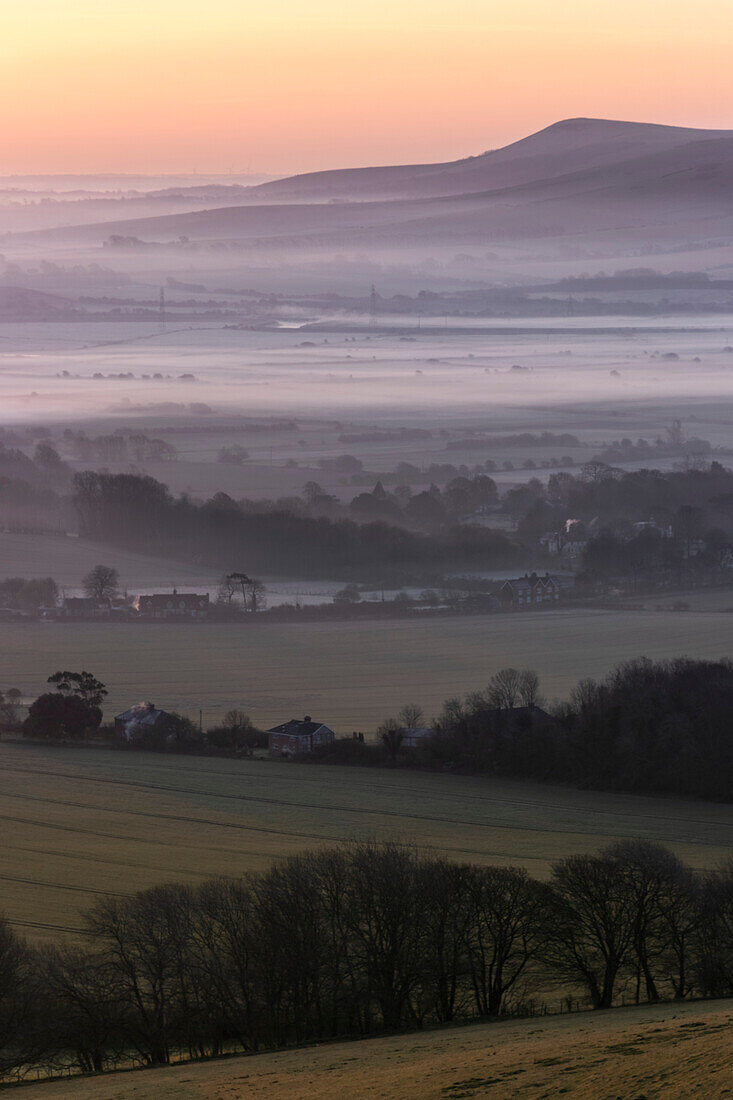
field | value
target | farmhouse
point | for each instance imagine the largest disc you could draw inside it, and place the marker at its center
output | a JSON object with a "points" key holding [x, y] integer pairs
{"points": [[137, 720], [530, 590], [295, 737], [174, 605]]}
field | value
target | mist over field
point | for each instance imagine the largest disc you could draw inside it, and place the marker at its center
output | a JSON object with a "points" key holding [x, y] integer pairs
{"points": [[589, 255], [528, 373], [404, 496]]}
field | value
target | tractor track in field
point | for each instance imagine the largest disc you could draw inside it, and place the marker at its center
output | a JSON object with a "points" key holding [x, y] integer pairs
{"points": [[178, 818], [296, 834], [50, 853], [528, 804], [37, 925], [64, 886]]}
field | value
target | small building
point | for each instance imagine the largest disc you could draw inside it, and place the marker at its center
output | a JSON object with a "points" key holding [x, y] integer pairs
{"points": [[173, 605], [530, 590], [85, 607], [136, 720], [413, 738], [296, 737]]}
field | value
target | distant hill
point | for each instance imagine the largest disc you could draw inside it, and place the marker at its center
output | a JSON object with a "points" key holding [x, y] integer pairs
{"points": [[573, 145], [580, 188], [20, 304]]}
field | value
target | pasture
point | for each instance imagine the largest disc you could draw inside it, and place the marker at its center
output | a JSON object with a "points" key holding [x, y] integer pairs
{"points": [[660, 1052], [351, 675], [79, 824]]}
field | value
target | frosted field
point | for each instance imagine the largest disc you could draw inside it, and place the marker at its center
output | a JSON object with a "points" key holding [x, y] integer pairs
{"points": [[679, 1051]]}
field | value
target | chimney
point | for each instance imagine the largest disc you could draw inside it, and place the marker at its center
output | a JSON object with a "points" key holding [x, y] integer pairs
{"points": [[307, 718]]}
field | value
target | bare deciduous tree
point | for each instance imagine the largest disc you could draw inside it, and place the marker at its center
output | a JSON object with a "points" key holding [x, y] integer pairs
{"points": [[391, 736], [83, 1001], [590, 935], [102, 582], [142, 939], [529, 688], [504, 688], [508, 914], [410, 716], [665, 914], [227, 590], [256, 591]]}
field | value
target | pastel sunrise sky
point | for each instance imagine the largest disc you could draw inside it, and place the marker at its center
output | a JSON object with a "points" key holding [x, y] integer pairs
{"points": [[288, 85]]}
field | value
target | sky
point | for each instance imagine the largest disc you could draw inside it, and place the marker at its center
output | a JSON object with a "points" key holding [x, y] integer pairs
{"points": [[281, 86]]}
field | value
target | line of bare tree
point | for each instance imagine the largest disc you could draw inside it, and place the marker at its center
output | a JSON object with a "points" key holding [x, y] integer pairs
{"points": [[358, 940]]}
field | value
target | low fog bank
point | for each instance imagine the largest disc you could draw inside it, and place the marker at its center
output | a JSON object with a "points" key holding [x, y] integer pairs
{"points": [[579, 199], [36, 202], [58, 372]]}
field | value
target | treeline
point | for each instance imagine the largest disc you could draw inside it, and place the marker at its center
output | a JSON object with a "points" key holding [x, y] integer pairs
{"points": [[477, 440], [606, 497], [28, 593], [354, 941], [30, 487], [686, 554], [651, 727], [140, 513], [626, 450], [117, 446]]}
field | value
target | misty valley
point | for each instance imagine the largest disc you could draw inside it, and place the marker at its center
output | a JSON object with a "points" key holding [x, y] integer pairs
{"points": [[366, 613]]}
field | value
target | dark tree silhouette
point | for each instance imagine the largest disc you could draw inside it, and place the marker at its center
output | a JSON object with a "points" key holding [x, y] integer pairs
{"points": [[82, 684], [102, 582], [58, 716]]}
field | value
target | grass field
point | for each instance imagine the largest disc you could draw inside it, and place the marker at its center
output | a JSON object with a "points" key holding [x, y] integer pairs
{"points": [[349, 675], [82, 823], [664, 1052]]}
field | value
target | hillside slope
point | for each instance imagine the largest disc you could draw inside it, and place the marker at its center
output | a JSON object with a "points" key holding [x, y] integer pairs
{"points": [[571, 145], [665, 1052], [579, 188]]}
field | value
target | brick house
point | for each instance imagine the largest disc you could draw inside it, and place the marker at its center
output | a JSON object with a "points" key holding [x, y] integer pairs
{"points": [[296, 737], [530, 590]]}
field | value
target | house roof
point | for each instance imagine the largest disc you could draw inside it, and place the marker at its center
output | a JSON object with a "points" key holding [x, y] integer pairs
{"points": [[527, 583], [520, 584], [296, 727], [140, 714], [175, 600]]}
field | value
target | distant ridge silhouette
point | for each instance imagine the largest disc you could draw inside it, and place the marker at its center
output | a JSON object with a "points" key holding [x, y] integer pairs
{"points": [[582, 187]]}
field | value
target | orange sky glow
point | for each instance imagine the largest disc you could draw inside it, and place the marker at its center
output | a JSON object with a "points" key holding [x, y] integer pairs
{"points": [[288, 85]]}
